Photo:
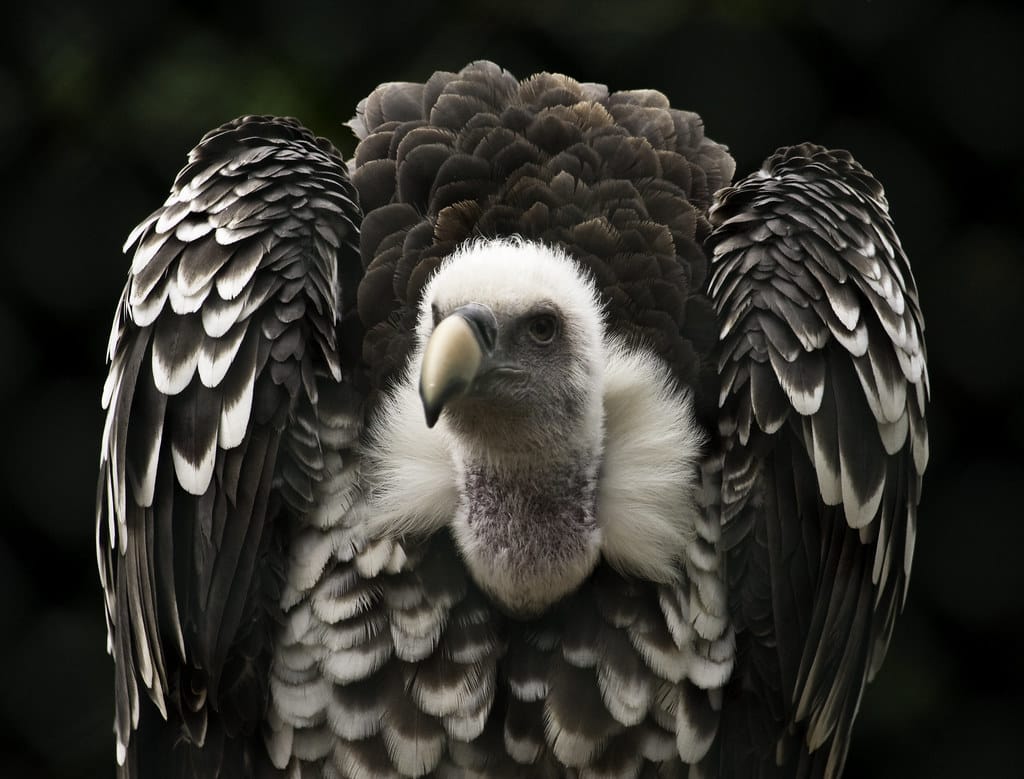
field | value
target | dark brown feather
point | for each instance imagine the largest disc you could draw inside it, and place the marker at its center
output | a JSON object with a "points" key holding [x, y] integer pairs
{"points": [[539, 158]]}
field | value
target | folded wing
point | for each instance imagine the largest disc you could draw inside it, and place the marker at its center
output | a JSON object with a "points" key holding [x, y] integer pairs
{"points": [[823, 396], [225, 339]]}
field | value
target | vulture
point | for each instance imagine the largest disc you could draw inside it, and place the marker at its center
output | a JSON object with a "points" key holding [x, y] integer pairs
{"points": [[526, 442]]}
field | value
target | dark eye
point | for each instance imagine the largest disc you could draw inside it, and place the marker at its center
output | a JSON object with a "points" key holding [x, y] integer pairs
{"points": [[435, 313], [543, 328]]}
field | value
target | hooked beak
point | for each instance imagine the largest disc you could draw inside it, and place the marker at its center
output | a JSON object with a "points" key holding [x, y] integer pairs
{"points": [[453, 355]]}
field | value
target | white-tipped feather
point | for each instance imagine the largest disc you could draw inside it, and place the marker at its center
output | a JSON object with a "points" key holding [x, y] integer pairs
{"points": [[572, 749], [174, 211], [462, 685], [412, 648], [709, 625], [627, 698], [172, 378], [420, 622], [371, 560], [219, 315], [529, 687], [892, 395], [351, 665], [355, 719], [413, 755], [135, 234], [193, 230], [710, 588], [296, 663], [146, 486], [524, 751], [183, 302], [707, 671], [908, 551], [343, 595], [348, 762], [246, 187], [298, 623], [846, 307], [234, 415], [234, 276], [656, 744], [859, 510], [894, 435], [145, 311], [676, 611], [226, 236], [804, 401], [300, 703], [854, 341], [216, 356], [348, 633], [466, 728], [146, 250], [692, 741], [828, 477], [667, 662], [194, 477], [309, 553]]}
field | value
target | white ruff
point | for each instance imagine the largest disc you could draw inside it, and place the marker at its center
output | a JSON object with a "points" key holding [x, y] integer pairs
{"points": [[646, 503], [411, 479]]}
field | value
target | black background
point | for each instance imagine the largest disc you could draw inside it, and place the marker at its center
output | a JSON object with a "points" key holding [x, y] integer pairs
{"points": [[99, 104]]}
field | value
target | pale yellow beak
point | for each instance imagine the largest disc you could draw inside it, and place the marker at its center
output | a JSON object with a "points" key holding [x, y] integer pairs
{"points": [[453, 356]]}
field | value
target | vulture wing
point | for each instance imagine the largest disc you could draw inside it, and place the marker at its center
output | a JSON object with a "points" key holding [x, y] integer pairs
{"points": [[823, 394], [225, 370]]}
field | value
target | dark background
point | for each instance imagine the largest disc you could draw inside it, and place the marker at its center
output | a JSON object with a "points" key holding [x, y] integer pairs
{"points": [[98, 106]]}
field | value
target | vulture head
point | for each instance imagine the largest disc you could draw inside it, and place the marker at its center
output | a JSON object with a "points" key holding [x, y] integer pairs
{"points": [[513, 359], [512, 353]]}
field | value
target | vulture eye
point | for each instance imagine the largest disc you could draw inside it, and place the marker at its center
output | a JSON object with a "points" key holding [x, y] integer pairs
{"points": [[435, 313], [543, 328]]}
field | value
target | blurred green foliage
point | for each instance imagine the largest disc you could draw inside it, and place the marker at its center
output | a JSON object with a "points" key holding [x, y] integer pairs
{"points": [[100, 102]]}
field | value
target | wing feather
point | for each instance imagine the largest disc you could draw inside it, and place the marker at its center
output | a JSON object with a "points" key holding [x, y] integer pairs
{"points": [[819, 495], [213, 353]]}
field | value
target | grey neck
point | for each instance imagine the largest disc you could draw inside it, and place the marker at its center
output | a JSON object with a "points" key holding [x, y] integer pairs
{"points": [[559, 491], [529, 533]]}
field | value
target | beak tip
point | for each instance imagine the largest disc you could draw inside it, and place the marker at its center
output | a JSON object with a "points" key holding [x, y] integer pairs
{"points": [[431, 408], [432, 415]]}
